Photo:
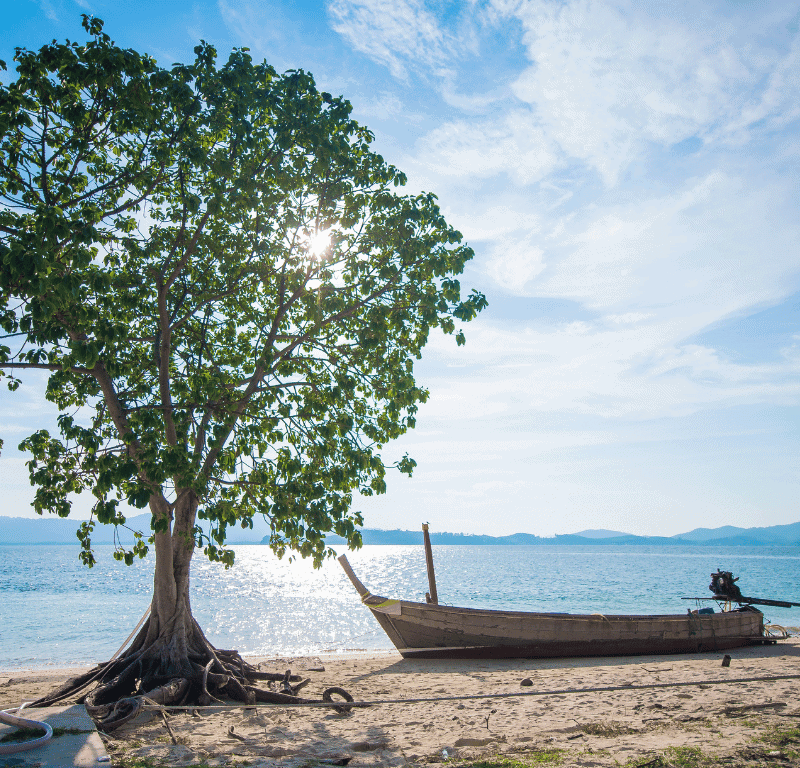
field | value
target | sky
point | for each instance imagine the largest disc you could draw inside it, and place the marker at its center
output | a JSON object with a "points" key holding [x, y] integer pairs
{"points": [[627, 174]]}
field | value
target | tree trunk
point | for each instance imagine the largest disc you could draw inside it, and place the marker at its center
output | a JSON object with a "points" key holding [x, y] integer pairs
{"points": [[172, 634], [170, 660]]}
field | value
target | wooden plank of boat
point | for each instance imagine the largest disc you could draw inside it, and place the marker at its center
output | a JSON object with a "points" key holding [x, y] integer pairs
{"points": [[424, 630], [436, 631]]}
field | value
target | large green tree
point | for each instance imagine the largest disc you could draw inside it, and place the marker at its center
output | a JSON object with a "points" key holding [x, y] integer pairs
{"points": [[229, 295]]}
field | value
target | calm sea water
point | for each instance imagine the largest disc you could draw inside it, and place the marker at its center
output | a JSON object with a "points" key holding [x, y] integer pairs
{"points": [[55, 612]]}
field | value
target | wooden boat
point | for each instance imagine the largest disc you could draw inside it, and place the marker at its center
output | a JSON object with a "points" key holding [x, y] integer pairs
{"points": [[429, 630]]}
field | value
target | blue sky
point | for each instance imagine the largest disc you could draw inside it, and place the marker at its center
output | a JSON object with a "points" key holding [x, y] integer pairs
{"points": [[627, 174]]}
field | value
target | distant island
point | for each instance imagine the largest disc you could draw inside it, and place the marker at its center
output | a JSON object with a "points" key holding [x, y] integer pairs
{"points": [[776, 535], [20, 530]]}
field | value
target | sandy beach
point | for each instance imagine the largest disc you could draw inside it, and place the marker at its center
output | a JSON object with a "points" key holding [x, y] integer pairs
{"points": [[554, 719]]}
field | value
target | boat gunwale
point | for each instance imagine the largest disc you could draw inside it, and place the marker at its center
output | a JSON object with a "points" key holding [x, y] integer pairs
{"points": [[389, 603]]}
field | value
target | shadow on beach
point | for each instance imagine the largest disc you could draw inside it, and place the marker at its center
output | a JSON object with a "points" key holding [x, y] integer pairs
{"points": [[456, 666]]}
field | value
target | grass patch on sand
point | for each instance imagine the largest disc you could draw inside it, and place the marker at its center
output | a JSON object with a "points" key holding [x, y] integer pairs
{"points": [[779, 746], [533, 757], [23, 734], [608, 729], [28, 734], [786, 740], [676, 757]]}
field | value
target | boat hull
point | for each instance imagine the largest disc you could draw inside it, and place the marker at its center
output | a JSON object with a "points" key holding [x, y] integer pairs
{"points": [[420, 630]]}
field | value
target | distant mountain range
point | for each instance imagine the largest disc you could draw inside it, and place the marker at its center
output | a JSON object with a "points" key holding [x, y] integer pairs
{"points": [[20, 530], [776, 535]]}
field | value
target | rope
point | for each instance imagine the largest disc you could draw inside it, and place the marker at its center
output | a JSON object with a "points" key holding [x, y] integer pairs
{"points": [[135, 630], [102, 669], [776, 630], [105, 666], [476, 696], [22, 722]]}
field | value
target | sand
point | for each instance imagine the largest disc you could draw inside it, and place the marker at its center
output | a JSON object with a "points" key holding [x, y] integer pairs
{"points": [[634, 725]]}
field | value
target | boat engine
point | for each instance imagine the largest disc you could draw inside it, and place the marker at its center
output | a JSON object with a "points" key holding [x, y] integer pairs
{"points": [[723, 583]]}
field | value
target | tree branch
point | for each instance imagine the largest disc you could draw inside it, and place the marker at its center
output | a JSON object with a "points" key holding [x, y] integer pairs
{"points": [[163, 361], [48, 367]]}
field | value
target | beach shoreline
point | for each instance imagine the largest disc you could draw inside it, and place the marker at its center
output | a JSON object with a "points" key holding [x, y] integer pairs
{"points": [[63, 671], [581, 711]]}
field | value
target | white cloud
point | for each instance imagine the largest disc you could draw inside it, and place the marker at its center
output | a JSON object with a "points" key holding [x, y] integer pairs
{"points": [[478, 103], [48, 9], [777, 104], [505, 214], [561, 189], [515, 261], [628, 318], [514, 145], [659, 271], [383, 106], [608, 78], [14, 429], [639, 372], [247, 21], [716, 246], [395, 33]]}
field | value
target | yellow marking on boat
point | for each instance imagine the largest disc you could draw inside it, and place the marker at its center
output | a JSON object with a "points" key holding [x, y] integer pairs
{"points": [[388, 607]]}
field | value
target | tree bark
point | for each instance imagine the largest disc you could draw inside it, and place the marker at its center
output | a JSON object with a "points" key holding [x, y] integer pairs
{"points": [[173, 636]]}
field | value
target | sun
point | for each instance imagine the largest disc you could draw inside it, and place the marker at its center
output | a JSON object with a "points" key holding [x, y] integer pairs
{"points": [[319, 242]]}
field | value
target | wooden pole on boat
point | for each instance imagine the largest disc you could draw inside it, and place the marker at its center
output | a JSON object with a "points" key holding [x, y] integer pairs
{"points": [[360, 588], [432, 596]]}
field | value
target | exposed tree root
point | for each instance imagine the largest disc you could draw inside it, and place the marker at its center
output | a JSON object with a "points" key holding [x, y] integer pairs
{"points": [[159, 673]]}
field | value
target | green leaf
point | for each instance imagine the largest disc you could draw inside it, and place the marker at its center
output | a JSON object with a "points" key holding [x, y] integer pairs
{"points": [[160, 267]]}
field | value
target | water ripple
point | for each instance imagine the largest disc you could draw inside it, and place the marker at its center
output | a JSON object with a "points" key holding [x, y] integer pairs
{"points": [[53, 611]]}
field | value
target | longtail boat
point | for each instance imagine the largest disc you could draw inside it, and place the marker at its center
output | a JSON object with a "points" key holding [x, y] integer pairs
{"points": [[429, 630]]}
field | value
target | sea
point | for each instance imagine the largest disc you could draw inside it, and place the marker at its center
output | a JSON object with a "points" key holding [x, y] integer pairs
{"points": [[56, 613]]}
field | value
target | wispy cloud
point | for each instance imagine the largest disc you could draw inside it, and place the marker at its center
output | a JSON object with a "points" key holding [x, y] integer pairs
{"points": [[718, 245], [515, 260], [655, 272], [607, 79], [262, 27], [515, 145], [382, 106], [396, 33], [777, 104], [581, 368], [470, 103], [541, 184], [48, 9]]}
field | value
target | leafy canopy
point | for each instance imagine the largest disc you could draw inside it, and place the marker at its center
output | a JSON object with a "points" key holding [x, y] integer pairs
{"points": [[224, 284]]}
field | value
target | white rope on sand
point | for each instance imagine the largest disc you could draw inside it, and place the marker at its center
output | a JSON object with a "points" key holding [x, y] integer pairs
{"points": [[476, 696], [23, 722]]}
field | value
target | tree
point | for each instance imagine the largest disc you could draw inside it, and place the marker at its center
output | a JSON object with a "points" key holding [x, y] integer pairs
{"points": [[229, 296]]}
